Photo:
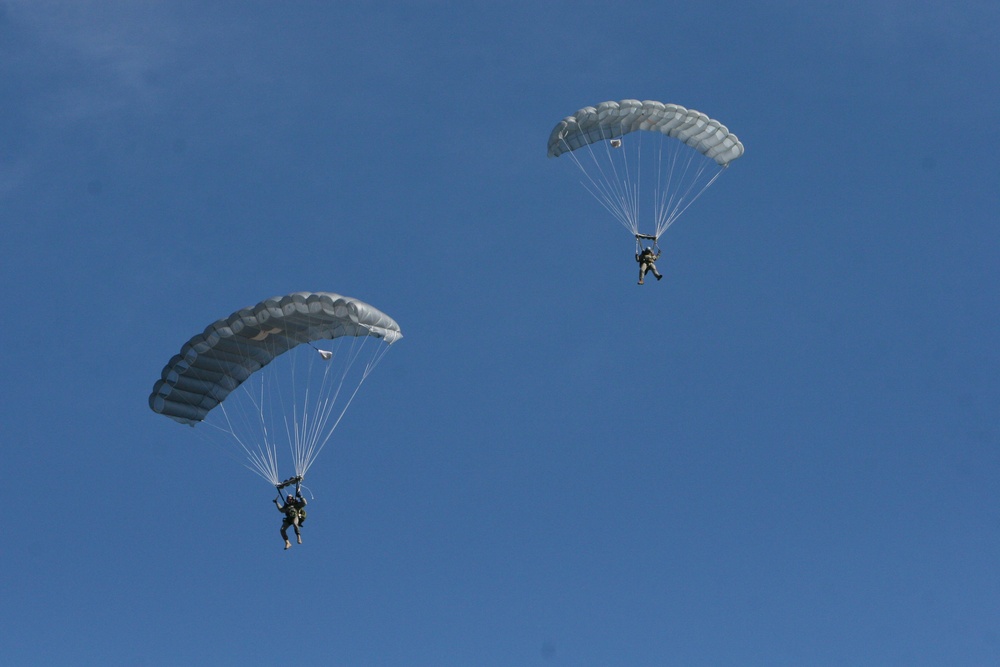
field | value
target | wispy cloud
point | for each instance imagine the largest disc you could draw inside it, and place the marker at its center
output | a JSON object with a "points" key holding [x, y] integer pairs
{"points": [[77, 66], [12, 174], [97, 57]]}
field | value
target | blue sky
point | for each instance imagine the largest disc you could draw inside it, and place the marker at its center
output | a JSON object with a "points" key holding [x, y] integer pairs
{"points": [[785, 453]]}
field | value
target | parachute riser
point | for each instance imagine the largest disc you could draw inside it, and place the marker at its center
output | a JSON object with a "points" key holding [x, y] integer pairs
{"points": [[640, 237], [297, 480]]}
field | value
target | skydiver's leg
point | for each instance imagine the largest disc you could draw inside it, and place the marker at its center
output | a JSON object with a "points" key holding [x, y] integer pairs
{"points": [[284, 533], [652, 267]]}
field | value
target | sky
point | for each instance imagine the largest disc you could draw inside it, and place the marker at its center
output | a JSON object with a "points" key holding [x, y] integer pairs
{"points": [[784, 453]]}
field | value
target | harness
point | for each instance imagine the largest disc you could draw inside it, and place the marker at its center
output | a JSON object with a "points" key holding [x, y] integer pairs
{"points": [[649, 237], [293, 510]]}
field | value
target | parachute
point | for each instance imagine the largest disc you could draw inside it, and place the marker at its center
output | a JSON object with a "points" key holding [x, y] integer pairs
{"points": [[278, 374], [645, 160]]}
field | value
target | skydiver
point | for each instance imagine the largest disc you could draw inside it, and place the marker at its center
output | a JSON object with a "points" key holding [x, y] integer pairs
{"points": [[647, 259], [295, 515]]}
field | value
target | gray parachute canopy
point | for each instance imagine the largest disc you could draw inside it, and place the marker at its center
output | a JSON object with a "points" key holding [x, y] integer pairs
{"points": [[215, 362], [614, 119]]}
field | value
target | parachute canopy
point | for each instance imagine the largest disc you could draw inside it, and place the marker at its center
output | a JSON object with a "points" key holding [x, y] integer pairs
{"points": [[290, 400], [614, 119], [686, 153], [216, 361]]}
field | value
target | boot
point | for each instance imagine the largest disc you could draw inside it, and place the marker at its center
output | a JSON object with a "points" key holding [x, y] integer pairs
{"points": [[288, 545], [299, 537]]}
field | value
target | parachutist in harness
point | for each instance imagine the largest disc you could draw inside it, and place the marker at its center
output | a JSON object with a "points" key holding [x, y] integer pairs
{"points": [[293, 509], [647, 257]]}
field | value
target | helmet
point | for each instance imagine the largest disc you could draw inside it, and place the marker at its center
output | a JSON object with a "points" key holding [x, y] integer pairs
{"points": [[290, 498]]}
